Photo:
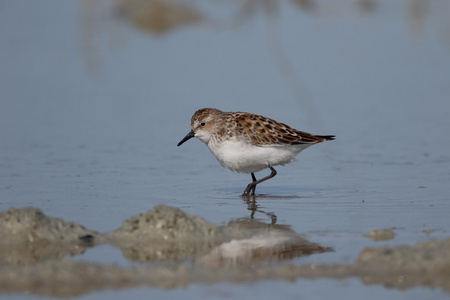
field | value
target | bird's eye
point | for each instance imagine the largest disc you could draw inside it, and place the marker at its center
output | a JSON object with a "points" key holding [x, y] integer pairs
{"points": [[202, 124]]}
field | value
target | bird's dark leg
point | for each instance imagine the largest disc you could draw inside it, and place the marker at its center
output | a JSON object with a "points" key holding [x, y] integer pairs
{"points": [[251, 187]]}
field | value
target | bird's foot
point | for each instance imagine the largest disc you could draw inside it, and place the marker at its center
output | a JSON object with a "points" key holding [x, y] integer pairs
{"points": [[250, 190]]}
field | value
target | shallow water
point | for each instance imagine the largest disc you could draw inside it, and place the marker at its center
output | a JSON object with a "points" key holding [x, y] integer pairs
{"points": [[92, 107]]}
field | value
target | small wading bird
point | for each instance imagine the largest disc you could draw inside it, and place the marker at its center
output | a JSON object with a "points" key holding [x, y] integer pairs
{"points": [[248, 143]]}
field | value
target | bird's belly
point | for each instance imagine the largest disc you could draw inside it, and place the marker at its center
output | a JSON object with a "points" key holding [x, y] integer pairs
{"points": [[247, 158]]}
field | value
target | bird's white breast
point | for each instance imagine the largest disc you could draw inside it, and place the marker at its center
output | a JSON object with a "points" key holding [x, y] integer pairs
{"points": [[244, 157]]}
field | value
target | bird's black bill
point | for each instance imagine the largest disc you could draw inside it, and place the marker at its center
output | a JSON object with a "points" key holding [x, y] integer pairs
{"points": [[187, 137]]}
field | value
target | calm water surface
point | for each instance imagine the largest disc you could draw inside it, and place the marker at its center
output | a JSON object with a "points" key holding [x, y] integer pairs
{"points": [[94, 101]]}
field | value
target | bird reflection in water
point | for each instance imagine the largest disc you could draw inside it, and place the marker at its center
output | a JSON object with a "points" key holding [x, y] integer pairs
{"points": [[253, 206]]}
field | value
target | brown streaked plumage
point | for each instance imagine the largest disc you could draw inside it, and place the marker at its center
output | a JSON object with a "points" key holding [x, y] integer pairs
{"points": [[263, 131], [245, 142]]}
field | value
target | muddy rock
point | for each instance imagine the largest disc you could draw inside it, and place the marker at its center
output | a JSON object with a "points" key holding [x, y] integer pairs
{"points": [[31, 225], [430, 255], [165, 223], [27, 235], [165, 234], [380, 234]]}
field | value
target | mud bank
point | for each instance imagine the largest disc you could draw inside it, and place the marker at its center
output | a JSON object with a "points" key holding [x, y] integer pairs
{"points": [[28, 236], [36, 249]]}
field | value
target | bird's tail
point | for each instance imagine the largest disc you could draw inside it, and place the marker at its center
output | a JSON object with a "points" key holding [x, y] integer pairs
{"points": [[326, 137]]}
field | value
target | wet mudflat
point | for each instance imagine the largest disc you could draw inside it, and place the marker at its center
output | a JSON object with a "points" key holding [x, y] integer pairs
{"points": [[97, 202], [34, 246]]}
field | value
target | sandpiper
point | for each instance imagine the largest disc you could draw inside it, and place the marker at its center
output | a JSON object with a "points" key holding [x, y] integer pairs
{"points": [[248, 143]]}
